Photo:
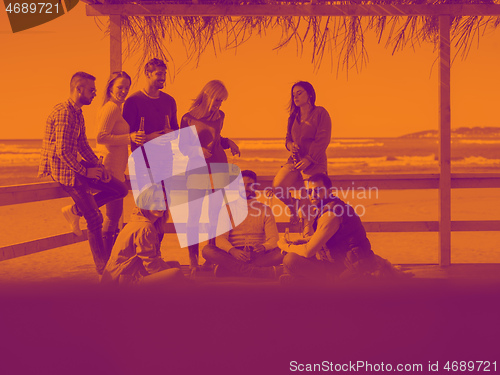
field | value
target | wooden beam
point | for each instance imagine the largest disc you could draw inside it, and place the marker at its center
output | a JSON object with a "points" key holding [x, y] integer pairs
{"points": [[444, 142], [474, 180], [30, 193], [10, 195], [145, 9], [115, 43], [42, 244], [476, 226]]}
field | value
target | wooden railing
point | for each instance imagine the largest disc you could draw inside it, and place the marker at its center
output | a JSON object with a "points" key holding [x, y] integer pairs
{"points": [[11, 195]]}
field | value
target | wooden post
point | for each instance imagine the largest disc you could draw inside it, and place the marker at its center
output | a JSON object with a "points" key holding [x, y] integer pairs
{"points": [[115, 56], [115, 43], [444, 142]]}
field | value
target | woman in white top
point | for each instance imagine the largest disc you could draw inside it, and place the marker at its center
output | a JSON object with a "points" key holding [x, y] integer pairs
{"points": [[114, 134]]}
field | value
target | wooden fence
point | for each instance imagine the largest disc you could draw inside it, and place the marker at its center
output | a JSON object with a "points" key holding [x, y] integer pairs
{"points": [[11, 195]]}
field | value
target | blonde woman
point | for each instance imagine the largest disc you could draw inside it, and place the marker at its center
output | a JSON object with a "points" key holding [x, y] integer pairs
{"points": [[205, 115], [136, 255], [114, 134]]}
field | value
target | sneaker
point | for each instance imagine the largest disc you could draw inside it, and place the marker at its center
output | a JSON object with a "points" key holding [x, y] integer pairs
{"points": [[73, 220]]}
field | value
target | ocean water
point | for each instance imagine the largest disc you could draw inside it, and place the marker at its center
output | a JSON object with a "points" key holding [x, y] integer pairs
{"points": [[19, 158]]}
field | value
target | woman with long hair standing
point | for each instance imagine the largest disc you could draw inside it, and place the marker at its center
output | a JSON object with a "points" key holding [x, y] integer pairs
{"points": [[113, 133], [307, 138], [207, 118]]}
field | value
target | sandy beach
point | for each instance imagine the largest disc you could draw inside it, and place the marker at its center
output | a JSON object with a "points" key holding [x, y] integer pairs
{"points": [[29, 221]]}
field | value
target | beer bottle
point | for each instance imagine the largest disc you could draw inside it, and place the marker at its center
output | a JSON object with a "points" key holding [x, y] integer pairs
{"points": [[287, 235], [141, 125]]}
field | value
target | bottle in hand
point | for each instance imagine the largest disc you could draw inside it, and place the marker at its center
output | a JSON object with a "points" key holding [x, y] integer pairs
{"points": [[141, 125], [287, 235]]}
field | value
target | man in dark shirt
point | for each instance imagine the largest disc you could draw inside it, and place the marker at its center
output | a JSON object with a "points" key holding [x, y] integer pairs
{"points": [[338, 245], [159, 112], [65, 138], [158, 109]]}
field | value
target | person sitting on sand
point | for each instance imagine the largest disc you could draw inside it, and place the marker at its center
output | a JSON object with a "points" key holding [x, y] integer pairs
{"points": [[136, 255], [250, 249], [338, 246]]}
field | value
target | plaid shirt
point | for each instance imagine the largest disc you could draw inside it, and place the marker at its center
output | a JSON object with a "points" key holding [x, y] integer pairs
{"points": [[64, 138]]}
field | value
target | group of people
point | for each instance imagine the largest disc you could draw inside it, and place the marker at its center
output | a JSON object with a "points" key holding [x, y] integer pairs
{"points": [[335, 243]]}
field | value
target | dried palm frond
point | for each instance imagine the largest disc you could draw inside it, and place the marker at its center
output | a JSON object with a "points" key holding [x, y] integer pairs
{"points": [[340, 38]]}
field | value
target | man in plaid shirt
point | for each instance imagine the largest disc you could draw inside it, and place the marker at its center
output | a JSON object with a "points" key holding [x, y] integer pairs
{"points": [[65, 138]]}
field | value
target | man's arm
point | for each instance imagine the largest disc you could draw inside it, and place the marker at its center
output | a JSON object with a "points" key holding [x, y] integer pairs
{"points": [[85, 149], [130, 114], [173, 119], [328, 224], [271, 230], [66, 141]]}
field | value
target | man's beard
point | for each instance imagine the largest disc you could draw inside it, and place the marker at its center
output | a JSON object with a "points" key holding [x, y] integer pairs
{"points": [[320, 202], [86, 101]]}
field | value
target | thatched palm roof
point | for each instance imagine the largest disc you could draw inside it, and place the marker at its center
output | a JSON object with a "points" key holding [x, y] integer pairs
{"points": [[340, 37]]}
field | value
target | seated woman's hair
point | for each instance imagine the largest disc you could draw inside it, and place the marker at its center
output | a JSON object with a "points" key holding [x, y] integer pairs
{"points": [[321, 177], [147, 200]]}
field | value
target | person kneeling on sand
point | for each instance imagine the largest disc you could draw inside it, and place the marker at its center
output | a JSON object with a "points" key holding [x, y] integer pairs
{"points": [[338, 246], [136, 255], [250, 249]]}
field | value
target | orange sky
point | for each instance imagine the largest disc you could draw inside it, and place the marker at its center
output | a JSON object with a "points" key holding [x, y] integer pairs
{"points": [[391, 96]]}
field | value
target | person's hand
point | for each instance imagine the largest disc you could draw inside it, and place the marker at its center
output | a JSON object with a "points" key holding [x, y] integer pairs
{"points": [[283, 245], [234, 148], [293, 147], [302, 164], [106, 175], [240, 254], [259, 248], [94, 173], [206, 153], [138, 138]]}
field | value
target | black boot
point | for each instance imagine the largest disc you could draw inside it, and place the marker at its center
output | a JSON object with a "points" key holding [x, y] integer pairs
{"points": [[109, 239]]}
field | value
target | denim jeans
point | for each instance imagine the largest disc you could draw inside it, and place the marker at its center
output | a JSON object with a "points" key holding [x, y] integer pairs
{"points": [[87, 205], [114, 211], [260, 264]]}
